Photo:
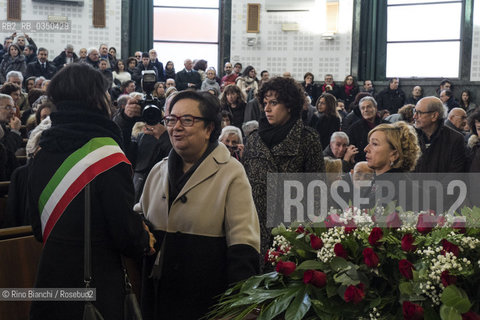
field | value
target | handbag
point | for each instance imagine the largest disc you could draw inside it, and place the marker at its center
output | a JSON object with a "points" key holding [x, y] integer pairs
{"points": [[130, 304]]}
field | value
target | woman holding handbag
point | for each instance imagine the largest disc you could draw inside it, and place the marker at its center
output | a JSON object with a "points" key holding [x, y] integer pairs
{"points": [[82, 147]]}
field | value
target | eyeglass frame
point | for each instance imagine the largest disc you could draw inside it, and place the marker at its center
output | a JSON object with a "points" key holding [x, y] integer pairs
{"points": [[420, 113], [181, 119]]}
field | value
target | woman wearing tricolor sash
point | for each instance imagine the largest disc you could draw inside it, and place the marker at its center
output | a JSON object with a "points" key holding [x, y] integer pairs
{"points": [[80, 148]]}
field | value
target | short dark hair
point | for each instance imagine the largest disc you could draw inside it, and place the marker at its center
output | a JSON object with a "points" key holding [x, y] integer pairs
{"points": [[42, 49], [264, 71], [209, 107], [145, 55], [308, 74], [91, 92], [237, 64], [9, 87], [34, 94], [287, 91], [448, 92]]}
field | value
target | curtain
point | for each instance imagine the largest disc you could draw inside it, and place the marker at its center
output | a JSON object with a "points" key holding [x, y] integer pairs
{"points": [[141, 26], [373, 40]]}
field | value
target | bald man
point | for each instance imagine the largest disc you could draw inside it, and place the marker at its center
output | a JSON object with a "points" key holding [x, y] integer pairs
{"points": [[457, 120]]}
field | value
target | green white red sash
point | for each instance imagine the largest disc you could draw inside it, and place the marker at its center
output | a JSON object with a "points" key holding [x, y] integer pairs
{"points": [[96, 156]]}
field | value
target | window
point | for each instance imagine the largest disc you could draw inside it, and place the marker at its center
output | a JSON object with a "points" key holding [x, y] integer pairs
{"points": [[186, 29], [424, 38]]}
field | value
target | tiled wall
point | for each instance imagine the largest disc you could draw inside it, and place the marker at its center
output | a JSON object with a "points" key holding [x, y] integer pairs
{"points": [[82, 34], [475, 68], [294, 51]]}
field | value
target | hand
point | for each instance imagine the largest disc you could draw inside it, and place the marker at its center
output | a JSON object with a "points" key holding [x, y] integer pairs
{"points": [[151, 240], [241, 148], [133, 109], [155, 130], [350, 153], [15, 123], [14, 35], [26, 36]]}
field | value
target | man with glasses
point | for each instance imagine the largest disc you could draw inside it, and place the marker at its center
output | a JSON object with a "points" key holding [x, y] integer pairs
{"points": [[330, 86], [443, 149], [154, 60], [12, 139], [457, 120], [67, 56], [138, 56]]}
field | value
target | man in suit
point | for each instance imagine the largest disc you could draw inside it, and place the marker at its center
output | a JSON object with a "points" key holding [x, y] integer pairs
{"points": [[188, 78], [41, 67], [153, 59]]}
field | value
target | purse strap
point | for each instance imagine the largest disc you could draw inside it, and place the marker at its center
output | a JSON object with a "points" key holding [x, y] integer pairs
{"points": [[87, 265]]}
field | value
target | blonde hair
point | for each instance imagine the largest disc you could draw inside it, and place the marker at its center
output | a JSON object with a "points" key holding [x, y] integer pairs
{"points": [[402, 138]]}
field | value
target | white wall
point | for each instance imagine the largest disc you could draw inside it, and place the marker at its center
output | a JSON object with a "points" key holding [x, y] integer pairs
{"points": [[82, 34], [295, 51]]}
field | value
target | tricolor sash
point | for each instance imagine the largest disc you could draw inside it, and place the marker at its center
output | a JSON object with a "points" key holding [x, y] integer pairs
{"points": [[96, 156]]}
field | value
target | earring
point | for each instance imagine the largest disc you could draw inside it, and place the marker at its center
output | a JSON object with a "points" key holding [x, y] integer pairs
{"points": [[391, 163]]}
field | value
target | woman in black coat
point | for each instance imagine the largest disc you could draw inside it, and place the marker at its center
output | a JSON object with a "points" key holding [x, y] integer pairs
{"points": [[81, 121], [328, 118], [349, 90]]}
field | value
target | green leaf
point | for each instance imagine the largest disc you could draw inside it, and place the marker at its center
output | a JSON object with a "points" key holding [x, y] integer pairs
{"points": [[375, 302], [311, 265], [252, 283], [345, 280], [279, 305], [449, 313], [331, 290], [406, 288], [299, 307], [455, 297], [338, 264], [259, 296]]}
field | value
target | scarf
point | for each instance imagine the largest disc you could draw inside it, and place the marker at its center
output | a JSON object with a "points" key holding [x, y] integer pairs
{"points": [[73, 125], [273, 135], [176, 177], [348, 89]]}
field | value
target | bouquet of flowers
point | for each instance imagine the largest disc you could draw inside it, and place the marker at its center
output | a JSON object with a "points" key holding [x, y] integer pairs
{"points": [[415, 266]]}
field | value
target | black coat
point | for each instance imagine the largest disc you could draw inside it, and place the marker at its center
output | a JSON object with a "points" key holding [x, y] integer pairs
{"points": [[160, 71], [358, 135], [137, 73], [446, 153], [35, 69], [326, 126], [61, 59], [183, 78], [348, 98], [115, 228], [392, 100]]}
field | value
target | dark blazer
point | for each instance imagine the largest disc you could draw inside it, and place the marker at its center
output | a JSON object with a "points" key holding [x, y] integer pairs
{"points": [[183, 78], [391, 100], [446, 152], [61, 59], [358, 135], [35, 69], [137, 73], [160, 72]]}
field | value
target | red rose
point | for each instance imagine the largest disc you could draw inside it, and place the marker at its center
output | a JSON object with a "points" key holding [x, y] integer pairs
{"points": [[350, 226], [332, 220], [300, 229], [340, 251], [441, 221], [316, 278], [412, 311], [459, 224], [393, 220], [470, 316], [285, 268], [316, 242], [425, 223], [447, 279], [449, 247], [406, 268], [407, 243], [370, 257], [354, 293], [375, 235]]}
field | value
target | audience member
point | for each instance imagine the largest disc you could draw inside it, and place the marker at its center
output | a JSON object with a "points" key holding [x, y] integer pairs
{"points": [[233, 101], [391, 98], [119, 73], [330, 86], [169, 72], [349, 90], [340, 148], [188, 78], [311, 89], [457, 120], [105, 55], [30, 53], [328, 118], [368, 87], [466, 102], [264, 76], [231, 137], [200, 66], [154, 60], [229, 77], [145, 64], [443, 149], [448, 99], [405, 113], [41, 67], [248, 83], [417, 94], [210, 82], [66, 57], [237, 68], [93, 58], [14, 60]]}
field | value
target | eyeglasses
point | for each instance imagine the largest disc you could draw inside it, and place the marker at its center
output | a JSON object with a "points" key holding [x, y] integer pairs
{"points": [[185, 120], [9, 108], [415, 111], [137, 56]]}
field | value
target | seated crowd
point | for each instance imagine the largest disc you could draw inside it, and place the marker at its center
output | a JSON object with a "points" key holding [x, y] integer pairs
{"points": [[268, 124]]}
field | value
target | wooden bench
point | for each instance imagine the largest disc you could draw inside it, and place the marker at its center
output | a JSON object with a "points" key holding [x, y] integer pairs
{"points": [[20, 254]]}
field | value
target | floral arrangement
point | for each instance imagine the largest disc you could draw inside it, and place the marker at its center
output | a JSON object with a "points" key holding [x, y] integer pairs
{"points": [[417, 266]]}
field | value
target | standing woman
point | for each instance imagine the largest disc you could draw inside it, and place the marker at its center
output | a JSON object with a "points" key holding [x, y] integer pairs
{"points": [[281, 144], [169, 70], [328, 118], [159, 92], [349, 90], [248, 82], [82, 147], [119, 73], [233, 101], [466, 102], [200, 204], [13, 60]]}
